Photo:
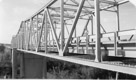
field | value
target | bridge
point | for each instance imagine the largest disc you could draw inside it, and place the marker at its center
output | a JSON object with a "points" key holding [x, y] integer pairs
{"points": [[72, 31]]}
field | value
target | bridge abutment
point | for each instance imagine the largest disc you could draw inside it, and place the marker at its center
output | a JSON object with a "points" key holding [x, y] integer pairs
{"points": [[29, 66]]}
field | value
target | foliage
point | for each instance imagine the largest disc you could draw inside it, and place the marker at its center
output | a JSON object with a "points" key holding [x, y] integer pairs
{"points": [[66, 70], [2, 48], [5, 61], [5, 53]]}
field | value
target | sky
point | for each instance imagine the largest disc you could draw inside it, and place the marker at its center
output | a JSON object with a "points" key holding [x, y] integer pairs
{"points": [[12, 12]]}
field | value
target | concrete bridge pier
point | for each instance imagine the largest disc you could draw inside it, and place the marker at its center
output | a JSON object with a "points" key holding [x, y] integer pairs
{"points": [[29, 66], [14, 63]]}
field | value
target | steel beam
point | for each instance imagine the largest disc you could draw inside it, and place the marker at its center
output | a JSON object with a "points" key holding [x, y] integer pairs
{"points": [[69, 9], [74, 24], [111, 6], [77, 6], [85, 28], [53, 29], [91, 12]]}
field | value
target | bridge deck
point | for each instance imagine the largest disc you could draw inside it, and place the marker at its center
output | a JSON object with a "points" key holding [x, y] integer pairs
{"points": [[117, 66]]}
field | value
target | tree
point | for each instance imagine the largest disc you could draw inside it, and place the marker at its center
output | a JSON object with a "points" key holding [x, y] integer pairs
{"points": [[5, 53], [2, 48]]}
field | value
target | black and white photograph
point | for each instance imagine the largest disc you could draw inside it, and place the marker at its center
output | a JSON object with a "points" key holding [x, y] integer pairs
{"points": [[68, 39]]}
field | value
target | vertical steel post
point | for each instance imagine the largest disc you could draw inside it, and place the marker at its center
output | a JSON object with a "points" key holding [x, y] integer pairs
{"points": [[45, 24], [21, 40], [49, 39], [115, 43], [29, 34], [87, 43], [18, 41], [46, 49], [62, 27], [98, 35], [118, 29], [26, 34], [91, 25], [118, 19], [46, 32], [92, 32], [37, 31], [23, 35], [78, 43]]}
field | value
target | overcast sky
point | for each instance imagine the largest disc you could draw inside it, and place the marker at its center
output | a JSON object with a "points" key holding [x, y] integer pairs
{"points": [[12, 12]]}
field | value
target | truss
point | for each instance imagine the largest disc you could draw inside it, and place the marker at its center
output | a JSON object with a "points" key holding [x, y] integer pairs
{"points": [[55, 28]]}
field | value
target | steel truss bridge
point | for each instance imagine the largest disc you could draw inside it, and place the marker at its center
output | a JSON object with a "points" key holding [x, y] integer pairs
{"points": [[71, 30]]}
